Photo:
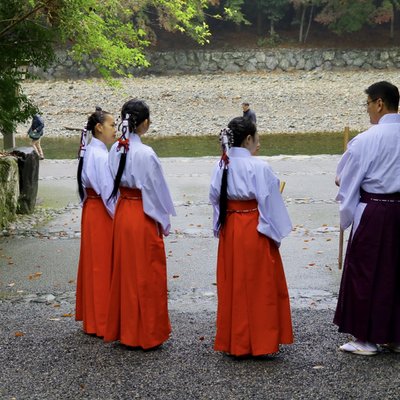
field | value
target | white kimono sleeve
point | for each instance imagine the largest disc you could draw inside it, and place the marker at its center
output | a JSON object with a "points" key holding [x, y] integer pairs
{"points": [[351, 174], [105, 184], [274, 220], [157, 201]]}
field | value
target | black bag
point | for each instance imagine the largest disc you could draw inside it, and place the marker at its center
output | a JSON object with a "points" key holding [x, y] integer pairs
{"points": [[34, 134], [36, 130]]}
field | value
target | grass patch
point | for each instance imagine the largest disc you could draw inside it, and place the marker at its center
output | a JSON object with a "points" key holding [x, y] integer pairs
{"points": [[199, 146]]}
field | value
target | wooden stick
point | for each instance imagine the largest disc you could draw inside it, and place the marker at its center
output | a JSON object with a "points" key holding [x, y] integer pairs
{"points": [[282, 186], [340, 256], [346, 137], [341, 234]]}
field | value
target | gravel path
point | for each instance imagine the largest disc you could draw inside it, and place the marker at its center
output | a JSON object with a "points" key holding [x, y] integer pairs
{"points": [[202, 104], [45, 355]]}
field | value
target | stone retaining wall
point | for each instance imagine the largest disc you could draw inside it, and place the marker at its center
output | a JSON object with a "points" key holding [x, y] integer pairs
{"points": [[213, 61], [9, 190]]}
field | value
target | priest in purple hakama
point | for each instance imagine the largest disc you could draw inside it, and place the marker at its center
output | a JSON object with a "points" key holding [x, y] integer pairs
{"points": [[369, 178]]}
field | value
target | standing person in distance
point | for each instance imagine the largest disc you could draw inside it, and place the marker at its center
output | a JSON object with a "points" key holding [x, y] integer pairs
{"points": [[95, 184], [138, 308], [369, 178], [249, 113], [250, 219], [35, 133]]}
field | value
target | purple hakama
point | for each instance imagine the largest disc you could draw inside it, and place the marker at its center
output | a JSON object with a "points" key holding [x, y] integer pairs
{"points": [[369, 298]]}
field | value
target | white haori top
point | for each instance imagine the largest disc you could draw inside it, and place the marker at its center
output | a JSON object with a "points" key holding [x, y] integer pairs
{"points": [[252, 178], [143, 171], [96, 173], [372, 163]]}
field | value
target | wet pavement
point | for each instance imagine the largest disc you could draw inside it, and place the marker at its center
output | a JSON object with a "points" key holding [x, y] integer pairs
{"points": [[309, 253], [44, 354]]}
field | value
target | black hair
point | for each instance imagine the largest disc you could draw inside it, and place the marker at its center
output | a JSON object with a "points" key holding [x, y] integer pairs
{"points": [[387, 92], [98, 117], [239, 129], [135, 111]]}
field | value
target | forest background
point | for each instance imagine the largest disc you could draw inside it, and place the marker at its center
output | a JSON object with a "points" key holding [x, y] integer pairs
{"points": [[116, 34]]}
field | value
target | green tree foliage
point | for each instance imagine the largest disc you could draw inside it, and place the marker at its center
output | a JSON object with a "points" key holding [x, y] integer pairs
{"points": [[272, 10], [232, 11], [343, 16], [385, 12], [23, 39], [114, 33]]}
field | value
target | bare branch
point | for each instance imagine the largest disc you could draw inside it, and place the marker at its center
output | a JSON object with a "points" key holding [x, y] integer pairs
{"points": [[24, 17]]}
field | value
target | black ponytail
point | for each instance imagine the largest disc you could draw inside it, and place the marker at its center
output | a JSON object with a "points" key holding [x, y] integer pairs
{"points": [[117, 180], [133, 113], [79, 179], [223, 198], [98, 117], [233, 136], [81, 153]]}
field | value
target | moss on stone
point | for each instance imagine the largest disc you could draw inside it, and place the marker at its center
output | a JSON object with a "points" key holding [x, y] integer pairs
{"points": [[9, 189]]}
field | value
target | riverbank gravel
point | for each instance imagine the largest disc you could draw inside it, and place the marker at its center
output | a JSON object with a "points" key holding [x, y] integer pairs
{"points": [[285, 102]]}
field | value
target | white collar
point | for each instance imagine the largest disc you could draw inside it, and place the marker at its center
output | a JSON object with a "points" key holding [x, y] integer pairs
{"points": [[97, 143], [391, 118], [239, 152]]}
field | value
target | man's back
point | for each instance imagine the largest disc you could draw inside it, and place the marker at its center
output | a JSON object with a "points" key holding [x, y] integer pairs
{"points": [[378, 153]]}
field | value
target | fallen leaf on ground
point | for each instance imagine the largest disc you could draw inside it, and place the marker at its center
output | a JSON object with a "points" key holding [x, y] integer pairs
{"points": [[36, 275], [68, 315], [19, 334]]}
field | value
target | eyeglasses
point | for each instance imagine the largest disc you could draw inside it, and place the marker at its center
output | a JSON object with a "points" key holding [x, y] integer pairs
{"points": [[371, 101]]}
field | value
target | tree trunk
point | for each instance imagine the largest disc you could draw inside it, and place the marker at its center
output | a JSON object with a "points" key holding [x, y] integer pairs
{"points": [[303, 15], [392, 25], [309, 23], [260, 24], [272, 30], [8, 141]]}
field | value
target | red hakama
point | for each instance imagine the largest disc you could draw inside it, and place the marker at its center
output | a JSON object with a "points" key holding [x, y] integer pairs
{"points": [[94, 270], [138, 307], [253, 315]]}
